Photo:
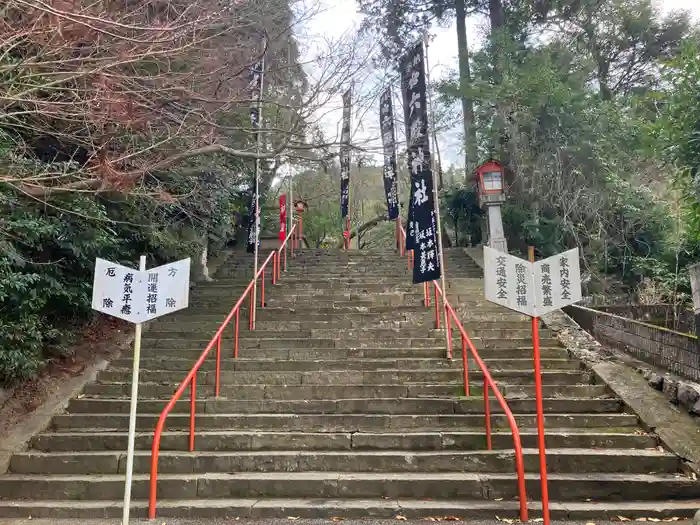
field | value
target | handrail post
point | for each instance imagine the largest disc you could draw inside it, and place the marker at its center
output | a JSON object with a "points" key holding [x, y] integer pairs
{"points": [[437, 307], [262, 289], [193, 405], [426, 295], [274, 267], [448, 320], [487, 414], [235, 337], [252, 300], [465, 366], [218, 365]]}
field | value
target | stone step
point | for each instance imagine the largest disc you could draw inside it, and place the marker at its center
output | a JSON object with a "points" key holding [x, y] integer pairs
{"points": [[339, 422], [406, 332], [431, 406], [232, 441], [353, 377], [268, 508], [291, 289], [259, 340], [417, 320], [437, 352], [562, 487], [164, 391], [304, 312], [171, 363], [496, 461]]}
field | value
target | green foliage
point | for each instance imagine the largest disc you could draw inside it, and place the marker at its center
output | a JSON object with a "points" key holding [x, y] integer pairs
{"points": [[49, 250], [462, 214], [677, 132]]}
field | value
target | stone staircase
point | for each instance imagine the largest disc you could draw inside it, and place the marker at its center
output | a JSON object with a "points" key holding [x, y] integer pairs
{"points": [[342, 404]]}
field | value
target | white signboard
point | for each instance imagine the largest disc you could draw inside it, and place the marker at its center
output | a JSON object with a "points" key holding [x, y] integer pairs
{"points": [[138, 296], [557, 282], [533, 289], [167, 289], [509, 281]]}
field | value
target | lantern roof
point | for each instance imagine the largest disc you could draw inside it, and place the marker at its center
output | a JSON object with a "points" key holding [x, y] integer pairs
{"points": [[489, 165]]}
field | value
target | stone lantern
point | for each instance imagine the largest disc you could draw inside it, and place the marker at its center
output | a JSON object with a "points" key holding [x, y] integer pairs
{"points": [[491, 192]]}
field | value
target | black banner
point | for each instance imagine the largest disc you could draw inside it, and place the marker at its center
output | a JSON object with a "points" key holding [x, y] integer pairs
{"points": [[386, 116], [255, 86], [422, 231], [345, 154]]}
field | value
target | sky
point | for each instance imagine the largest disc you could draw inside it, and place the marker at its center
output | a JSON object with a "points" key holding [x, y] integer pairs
{"points": [[338, 16]]}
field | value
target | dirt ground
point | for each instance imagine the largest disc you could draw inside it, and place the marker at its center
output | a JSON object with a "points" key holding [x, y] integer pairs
{"points": [[102, 339]]}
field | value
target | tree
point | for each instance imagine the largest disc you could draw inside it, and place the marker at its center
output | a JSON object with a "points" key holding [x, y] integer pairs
{"points": [[628, 48], [124, 90], [399, 23]]}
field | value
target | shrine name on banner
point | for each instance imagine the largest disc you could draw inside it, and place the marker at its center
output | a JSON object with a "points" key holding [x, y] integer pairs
{"points": [[283, 217], [345, 154], [255, 86], [422, 228], [386, 116], [534, 289]]}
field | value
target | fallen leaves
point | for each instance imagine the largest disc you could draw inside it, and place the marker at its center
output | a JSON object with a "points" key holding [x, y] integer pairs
{"points": [[401, 518], [292, 518], [442, 518], [337, 518], [645, 519]]}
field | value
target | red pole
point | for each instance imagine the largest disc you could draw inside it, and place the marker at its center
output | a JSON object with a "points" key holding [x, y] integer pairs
{"points": [[465, 366], [262, 289], [487, 414], [218, 364], [448, 321], [437, 307], [250, 310], [274, 268], [235, 337], [301, 231], [193, 397], [540, 408]]}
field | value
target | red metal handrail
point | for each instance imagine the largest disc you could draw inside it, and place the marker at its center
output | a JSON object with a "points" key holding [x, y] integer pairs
{"points": [[489, 383], [191, 378]]}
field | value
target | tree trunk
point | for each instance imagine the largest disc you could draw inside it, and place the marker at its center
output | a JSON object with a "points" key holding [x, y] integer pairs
{"points": [[366, 226], [465, 85]]}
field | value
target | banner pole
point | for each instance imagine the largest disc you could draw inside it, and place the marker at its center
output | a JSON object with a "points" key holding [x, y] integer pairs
{"points": [[436, 197]]}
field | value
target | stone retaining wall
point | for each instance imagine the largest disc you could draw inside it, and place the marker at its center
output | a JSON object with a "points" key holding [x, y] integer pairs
{"points": [[676, 352], [664, 315]]}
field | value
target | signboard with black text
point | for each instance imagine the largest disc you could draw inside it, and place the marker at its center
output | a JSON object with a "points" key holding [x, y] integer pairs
{"points": [[534, 289], [255, 87], [345, 154], [386, 115], [138, 296], [421, 235]]}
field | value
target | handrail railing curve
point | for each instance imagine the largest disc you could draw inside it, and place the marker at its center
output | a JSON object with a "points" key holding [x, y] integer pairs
{"points": [[191, 378], [489, 383]]}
